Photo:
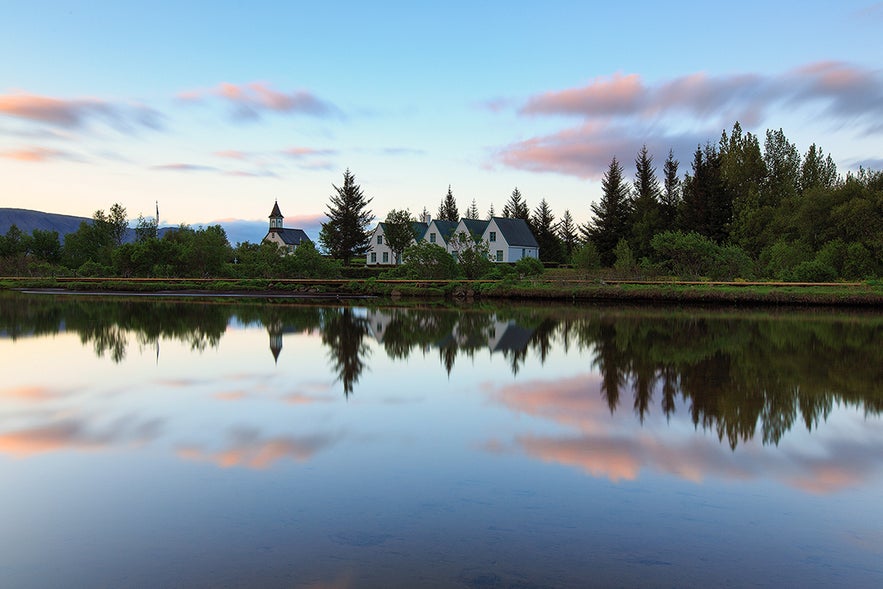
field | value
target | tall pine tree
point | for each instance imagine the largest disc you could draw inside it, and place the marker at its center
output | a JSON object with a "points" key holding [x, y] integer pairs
{"points": [[447, 210], [345, 234], [516, 207], [610, 216], [543, 224], [567, 234], [671, 194], [646, 214]]}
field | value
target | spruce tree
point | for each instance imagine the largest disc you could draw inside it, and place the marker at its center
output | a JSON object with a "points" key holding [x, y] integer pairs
{"points": [[543, 225], [516, 207], [472, 212], [610, 216], [447, 210], [491, 213], [646, 214], [567, 234], [671, 195], [345, 234]]}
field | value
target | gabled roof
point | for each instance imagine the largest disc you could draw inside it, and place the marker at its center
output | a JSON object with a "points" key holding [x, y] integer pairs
{"points": [[293, 236], [445, 228], [275, 212], [475, 226], [418, 227], [516, 232]]}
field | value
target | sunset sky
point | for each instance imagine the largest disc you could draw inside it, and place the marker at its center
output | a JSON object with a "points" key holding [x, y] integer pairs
{"points": [[216, 109]]}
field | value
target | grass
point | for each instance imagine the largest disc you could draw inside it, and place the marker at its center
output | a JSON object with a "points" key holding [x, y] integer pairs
{"points": [[553, 285]]}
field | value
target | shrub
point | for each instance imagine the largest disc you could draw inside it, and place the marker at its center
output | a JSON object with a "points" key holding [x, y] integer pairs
{"points": [[529, 267], [587, 258], [426, 261], [813, 271]]}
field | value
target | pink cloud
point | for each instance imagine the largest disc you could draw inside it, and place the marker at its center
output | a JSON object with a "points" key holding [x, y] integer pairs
{"points": [[232, 154], [586, 151], [74, 113], [622, 112], [604, 96], [181, 167], [248, 449], [36, 154], [302, 152], [250, 100]]}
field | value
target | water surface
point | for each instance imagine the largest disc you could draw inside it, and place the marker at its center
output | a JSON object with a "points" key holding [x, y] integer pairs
{"points": [[229, 443]]}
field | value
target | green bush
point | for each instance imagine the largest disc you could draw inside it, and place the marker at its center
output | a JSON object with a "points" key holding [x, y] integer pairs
{"points": [[587, 257], [426, 261], [813, 271], [529, 267]]}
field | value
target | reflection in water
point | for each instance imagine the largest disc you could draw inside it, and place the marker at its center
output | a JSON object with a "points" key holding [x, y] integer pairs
{"points": [[734, 372], [456, 456]]}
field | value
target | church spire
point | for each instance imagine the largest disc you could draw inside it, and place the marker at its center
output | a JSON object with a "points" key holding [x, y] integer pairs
{"points": [[276, 218]]}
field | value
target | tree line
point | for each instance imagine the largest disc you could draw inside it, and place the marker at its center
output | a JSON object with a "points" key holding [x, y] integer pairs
{"points": [[743, 210]]}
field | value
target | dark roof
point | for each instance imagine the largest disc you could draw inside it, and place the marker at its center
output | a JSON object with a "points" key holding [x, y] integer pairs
{"points": [[293, 236], [516, 232], [475, 226], [514, 339], [419, 229], [275, 212], [446, 228]]}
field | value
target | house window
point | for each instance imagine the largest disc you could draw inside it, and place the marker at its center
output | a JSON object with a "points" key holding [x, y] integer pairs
{"points": [[386, 257], [523, 253], [291, 249], [499, 255], [493, 236], [432, 237], [379, 240], [373, 257]]}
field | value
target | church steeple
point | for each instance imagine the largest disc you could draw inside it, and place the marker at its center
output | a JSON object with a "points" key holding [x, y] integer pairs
{"points": [[276, 218]]}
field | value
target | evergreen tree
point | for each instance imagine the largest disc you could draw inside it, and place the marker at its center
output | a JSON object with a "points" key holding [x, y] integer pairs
{"points": [[707, 206], [472, 212], [610, 216], [516, 207], [447, 210], [491, 213], [567, 234], [345, 234], [646, 214], [744, 172], [543, 224], [671, 195]]}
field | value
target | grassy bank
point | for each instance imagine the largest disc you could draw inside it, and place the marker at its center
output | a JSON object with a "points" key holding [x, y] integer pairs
{"points": [[866, 294]]}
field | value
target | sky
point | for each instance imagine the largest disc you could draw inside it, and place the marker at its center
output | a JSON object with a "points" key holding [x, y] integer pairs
{"points": [[218, 109]]}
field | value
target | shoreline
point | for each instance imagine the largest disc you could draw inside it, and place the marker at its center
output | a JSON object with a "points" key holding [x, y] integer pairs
{"points": [[863, 295]]}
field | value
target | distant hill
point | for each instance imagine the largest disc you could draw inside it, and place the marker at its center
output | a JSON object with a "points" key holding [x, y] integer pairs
{"points": [[27, 221]]}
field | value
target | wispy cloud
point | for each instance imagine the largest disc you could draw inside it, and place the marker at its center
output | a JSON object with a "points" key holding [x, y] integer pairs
{"points": [[252, 100], [181, 167], [621, 112], [249, 449], [38, 155], [78, 113], [306, 152]]}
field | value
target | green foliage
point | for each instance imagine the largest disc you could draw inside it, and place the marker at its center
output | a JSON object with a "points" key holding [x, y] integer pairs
{"points": [[780, 259], [813, 271], [691, 255], [516, 207], [345, 235], [529, 267], [426, 261], [624, 261], [567, 234], [610, 216], [587, 257], [447, 210], [473, 256], [307, 262], [543, 226], [399, 231]]}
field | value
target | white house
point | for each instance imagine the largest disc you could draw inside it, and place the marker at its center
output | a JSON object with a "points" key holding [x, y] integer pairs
{"points": [[281, 236], [440, 232], [379, 252], [509, 240]]}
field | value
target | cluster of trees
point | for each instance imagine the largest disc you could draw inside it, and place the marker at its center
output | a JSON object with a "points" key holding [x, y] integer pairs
{"points": [[741, 211], [100, 248]]}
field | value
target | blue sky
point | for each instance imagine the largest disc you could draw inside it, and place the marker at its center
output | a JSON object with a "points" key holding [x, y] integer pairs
{"points": [[216, 109]]}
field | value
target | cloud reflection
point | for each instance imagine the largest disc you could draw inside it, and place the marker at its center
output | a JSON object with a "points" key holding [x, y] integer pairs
{"points": [[249, 449], [602, 445], [78, 434]]}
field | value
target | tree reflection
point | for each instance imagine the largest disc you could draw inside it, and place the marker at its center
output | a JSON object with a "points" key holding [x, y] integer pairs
{"points": [[344, 334], [740, 374]]}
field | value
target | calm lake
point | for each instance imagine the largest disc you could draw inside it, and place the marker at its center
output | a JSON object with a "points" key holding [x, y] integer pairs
{"points": [[160, 442]]}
